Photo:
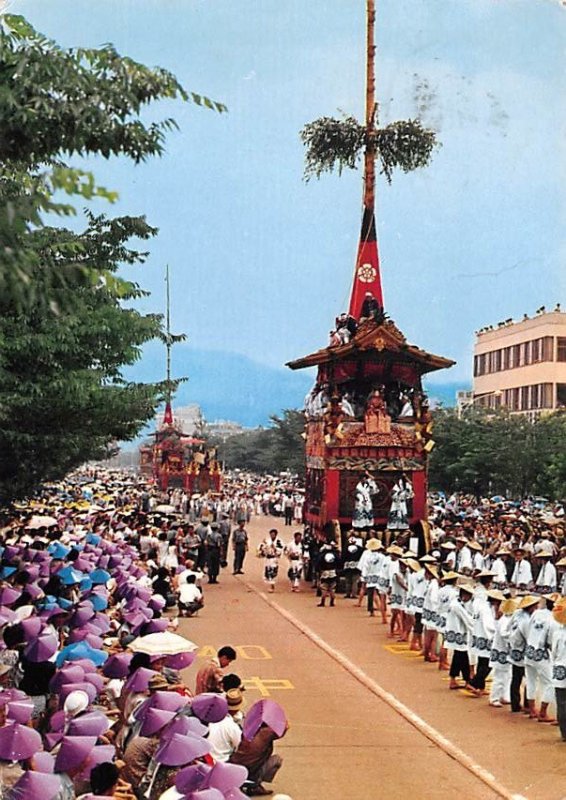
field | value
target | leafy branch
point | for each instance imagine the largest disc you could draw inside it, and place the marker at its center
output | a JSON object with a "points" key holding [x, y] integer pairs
{"points": [[339, 144]]}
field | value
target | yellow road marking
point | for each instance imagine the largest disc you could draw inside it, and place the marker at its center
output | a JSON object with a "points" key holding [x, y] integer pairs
{"points": [[267, 685]]}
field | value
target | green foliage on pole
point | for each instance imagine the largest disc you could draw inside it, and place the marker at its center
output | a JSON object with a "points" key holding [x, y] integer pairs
{"points": [[339, 144], [494, 452]]}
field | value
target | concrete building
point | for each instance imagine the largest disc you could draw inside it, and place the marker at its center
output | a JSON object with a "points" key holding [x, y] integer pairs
{"points": [[223, 429], [522, 365], [464, 400]]}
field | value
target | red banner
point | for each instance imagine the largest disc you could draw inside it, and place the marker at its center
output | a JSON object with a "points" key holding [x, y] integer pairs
{"points": [[367, 279]]}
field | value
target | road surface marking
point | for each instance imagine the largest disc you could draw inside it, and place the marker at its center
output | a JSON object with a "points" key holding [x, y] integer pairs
{"points": [[253, 652], [410, 716], [267, 685]]}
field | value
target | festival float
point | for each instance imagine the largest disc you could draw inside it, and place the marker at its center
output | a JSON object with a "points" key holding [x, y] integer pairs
{"points": [[173, 459], [368, 423]]}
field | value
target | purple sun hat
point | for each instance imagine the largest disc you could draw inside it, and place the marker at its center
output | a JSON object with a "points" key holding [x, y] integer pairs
{"points": [[87, 664], [83, 613], [209, 707], [185, 725], [117, 665], [19, 711], [32, 785], [18, 742], [93, 723], [192, 778], [8, 596], [12, 696], [72, 673], [157, 625], [268, 712], [157, 603], [42, 648], [139, 680], [73, 752], [168, 701], [224, 776], [7, 615], [180, 750], [96, 680], [101, 754], [101, 622], [44, 762], [180, 660], [34, 591], [154, 720]]}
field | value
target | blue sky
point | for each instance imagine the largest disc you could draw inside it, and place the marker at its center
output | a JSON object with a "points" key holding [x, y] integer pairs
{"points": [[262, 262]]}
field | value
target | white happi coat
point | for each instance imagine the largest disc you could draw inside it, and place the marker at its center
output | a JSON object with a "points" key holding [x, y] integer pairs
{"points": [[546, 579], [446, 594], [370, 567], [483, 628], [430, 605], [459, 624]]}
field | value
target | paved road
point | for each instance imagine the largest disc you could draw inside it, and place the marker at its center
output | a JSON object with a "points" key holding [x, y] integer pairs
{"points": [[345, 741]]}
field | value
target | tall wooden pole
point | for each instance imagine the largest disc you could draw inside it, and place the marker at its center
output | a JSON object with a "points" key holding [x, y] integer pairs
{"points": [[369, 156], [168, 323]]}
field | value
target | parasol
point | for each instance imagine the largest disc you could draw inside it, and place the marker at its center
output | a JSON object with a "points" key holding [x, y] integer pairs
{"points": [[162, 644]]}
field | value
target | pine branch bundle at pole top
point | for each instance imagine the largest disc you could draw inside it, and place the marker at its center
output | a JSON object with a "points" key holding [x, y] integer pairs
{"points": [[337, 144]]}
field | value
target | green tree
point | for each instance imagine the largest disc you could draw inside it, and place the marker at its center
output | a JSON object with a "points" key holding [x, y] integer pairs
{"points": [[66, 329], [496, 452], [271, 450]]}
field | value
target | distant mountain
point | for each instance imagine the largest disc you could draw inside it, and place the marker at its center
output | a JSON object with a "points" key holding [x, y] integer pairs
{"points": [[232, 387], [226, 385], [445, 393]]}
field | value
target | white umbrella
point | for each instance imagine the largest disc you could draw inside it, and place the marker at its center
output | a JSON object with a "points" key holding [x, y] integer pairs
{"points": [[41, 522], [162, 644], [165, 509]]}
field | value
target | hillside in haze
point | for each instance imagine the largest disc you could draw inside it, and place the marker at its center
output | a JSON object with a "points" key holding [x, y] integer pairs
{"points": [[226, 385], [233, 387]]}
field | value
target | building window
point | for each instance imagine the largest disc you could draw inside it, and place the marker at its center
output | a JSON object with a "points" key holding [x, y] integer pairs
{"points": [[561, 348], [561, 395], [548, 348]]}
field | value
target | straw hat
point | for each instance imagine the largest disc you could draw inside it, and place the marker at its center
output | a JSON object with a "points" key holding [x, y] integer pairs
{"points": [[466, 587], [433, 569], [561, 563], [554, 597], [495, 594], [373, 544], [508, 606], [473, 545], [427, 560], [450, 576], [528, 601], [448, 546], [394, 550], [413, 564]]}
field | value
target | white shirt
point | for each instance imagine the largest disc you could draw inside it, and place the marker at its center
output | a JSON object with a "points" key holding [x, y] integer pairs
{"points": [[189, 593], [224, 738], [522, 574]]}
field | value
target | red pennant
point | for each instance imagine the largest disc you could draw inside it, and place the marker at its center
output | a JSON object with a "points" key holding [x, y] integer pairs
{"points": [[168, 415], [367, 278]]}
